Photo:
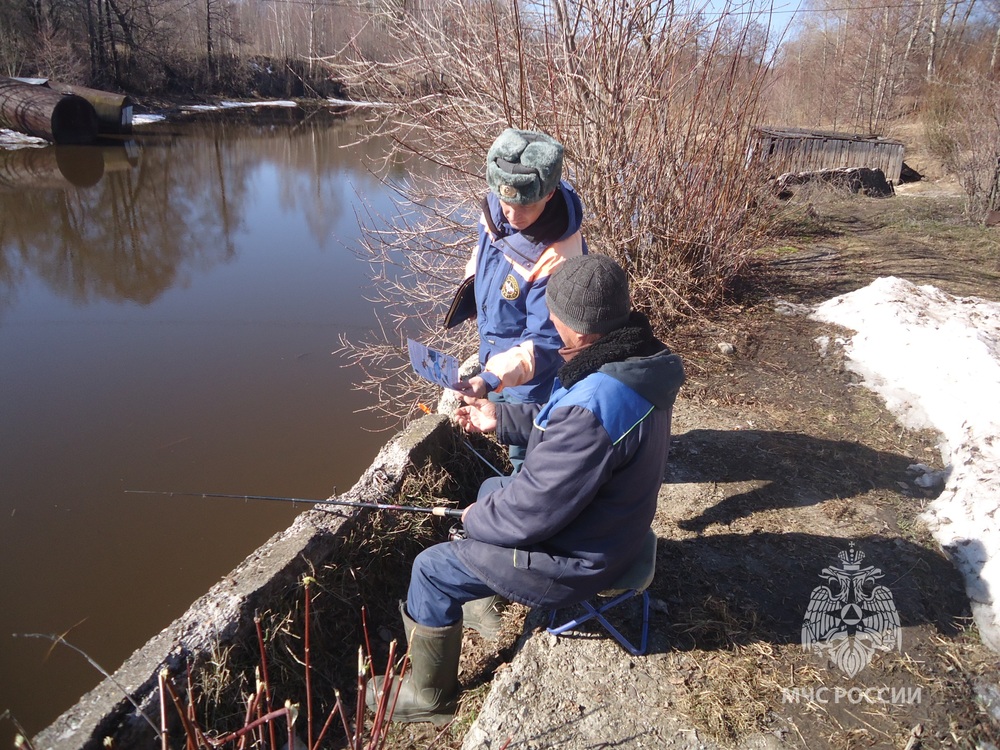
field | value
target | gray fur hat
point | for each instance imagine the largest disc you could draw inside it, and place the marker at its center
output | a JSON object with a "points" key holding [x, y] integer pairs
{"points": [[589, 293], [523, 166]]}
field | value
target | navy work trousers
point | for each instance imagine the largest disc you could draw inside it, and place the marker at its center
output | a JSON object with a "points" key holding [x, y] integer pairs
{"points": [[439, 585]]}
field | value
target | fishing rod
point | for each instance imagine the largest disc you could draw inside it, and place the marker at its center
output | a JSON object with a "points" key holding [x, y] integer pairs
{"points": [[483, 458], [435, 511], [427, 410]]}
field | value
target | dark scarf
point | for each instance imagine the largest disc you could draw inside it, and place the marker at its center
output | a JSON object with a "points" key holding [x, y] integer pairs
{"points": [[545, 230], [635, 339]]}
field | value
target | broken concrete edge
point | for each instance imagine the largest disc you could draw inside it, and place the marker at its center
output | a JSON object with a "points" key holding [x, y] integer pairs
{"points": [[226, 612]]}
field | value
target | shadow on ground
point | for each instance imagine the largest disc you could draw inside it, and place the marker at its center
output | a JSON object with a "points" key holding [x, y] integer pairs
{"points": [[729, 590], [788, 469]]}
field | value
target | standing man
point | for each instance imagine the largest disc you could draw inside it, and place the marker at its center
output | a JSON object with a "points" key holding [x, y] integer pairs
{"points": [[529, 226], [569, 524]]}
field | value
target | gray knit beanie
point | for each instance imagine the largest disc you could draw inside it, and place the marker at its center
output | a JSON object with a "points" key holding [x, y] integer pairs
{"points": [[523, 166], [589, 293]]}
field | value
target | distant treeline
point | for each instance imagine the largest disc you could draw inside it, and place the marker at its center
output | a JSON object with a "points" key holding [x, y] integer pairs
{"points": [[851, 64], [846, 65], [178, 47]]}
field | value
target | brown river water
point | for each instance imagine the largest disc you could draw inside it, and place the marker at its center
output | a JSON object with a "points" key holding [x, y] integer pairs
{"points": [[168, 309]]}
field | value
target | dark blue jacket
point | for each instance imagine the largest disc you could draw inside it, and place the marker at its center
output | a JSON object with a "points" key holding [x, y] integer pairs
{"points": [[518, 345], [571, 521]]}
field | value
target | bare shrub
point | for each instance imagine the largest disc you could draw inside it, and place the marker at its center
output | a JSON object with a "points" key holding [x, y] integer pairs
{"points": [[967, 132], [655, 109]]}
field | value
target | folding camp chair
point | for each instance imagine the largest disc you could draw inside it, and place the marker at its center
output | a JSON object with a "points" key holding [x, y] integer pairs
{"points": [[634, 582]]}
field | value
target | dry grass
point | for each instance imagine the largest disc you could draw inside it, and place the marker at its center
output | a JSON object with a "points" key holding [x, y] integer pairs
{"points": [[370, 572], [726, 687]]}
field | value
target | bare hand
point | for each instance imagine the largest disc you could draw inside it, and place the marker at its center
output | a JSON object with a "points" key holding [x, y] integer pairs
{"points": [[477, 415], [474, 386]]}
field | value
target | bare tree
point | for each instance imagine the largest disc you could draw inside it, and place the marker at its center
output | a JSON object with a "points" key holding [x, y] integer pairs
{"points": [[851, 60], [15, 37], [656, 110], [974, 132]]}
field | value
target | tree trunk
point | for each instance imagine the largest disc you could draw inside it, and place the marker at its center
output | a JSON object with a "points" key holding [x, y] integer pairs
{"points": [[208, 38], [111, 42], [92, 41], [914, 33], [996, 50], [932, 39]]}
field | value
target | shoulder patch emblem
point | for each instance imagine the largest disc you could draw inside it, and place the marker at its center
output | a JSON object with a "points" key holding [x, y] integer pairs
{"points": [[510, 290]]}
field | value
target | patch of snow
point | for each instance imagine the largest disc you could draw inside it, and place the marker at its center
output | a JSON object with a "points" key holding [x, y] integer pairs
{"points": [[350, 103], [147, 119], [935, 360], [273, 103], [234, 105], [12, 139], [784, 307]]}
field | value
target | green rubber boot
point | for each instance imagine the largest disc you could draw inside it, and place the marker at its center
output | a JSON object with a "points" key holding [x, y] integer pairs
{"points": [[427, 691], [483, 616]]}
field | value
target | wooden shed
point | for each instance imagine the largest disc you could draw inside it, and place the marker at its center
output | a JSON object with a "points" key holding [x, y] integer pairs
{"points": [[794, 150]]}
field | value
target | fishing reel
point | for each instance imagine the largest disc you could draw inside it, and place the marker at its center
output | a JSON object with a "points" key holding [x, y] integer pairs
{"points": [[457, 533]]}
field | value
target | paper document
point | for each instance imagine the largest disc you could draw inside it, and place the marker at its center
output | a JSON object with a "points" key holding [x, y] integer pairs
{"points": [[432, 365]]}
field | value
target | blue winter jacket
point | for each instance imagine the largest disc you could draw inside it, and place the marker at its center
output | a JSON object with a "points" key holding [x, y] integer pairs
{"points": [[518, 345], [571, 521]]}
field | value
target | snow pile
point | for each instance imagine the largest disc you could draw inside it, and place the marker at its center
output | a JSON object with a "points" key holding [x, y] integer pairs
{"points": [[935, 359], [237, 105], [352, 103], [147, 119], [11, 139]]}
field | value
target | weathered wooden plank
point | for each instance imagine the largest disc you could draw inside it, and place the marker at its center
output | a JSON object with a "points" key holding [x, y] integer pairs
{"points": [[795, 150]]}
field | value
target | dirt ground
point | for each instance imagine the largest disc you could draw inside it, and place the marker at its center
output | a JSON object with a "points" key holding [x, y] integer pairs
{"points": [[780, 462]]}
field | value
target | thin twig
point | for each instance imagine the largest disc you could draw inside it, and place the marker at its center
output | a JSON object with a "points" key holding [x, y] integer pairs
{"points": [[267, 679], [98, 667], [308, 668], [25, 743], [192, 732], [161, 677]]}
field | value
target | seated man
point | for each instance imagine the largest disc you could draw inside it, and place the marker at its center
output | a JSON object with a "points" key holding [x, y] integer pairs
{"points": [[569, 523]]}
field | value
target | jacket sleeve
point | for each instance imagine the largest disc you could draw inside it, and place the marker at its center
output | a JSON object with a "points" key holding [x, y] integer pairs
{"points": [[559, 479], [537, 350], [515, 422], [470, 264]]}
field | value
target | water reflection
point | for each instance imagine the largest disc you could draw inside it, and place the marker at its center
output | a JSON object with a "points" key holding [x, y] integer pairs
{"points": [[167, 326], [63, 167], [148, 213]]}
